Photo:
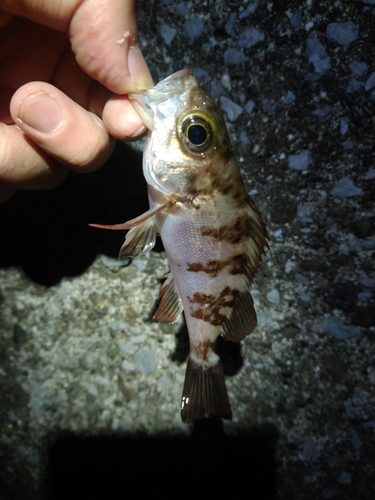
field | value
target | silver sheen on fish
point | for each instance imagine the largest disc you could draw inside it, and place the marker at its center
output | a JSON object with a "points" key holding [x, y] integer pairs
{"points": [[212, 232]]}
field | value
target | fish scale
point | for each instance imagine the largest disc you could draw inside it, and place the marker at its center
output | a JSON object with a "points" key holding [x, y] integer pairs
{"points": [[212, 232]]}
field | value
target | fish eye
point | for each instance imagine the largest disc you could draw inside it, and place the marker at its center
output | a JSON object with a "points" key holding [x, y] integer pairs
{"points": [[196, 133]]}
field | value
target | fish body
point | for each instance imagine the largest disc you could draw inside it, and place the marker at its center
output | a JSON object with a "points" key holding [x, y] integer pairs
{"points": [[212, 232]]}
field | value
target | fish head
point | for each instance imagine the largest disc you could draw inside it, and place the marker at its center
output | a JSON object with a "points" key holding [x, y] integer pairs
{"points": [[187, 136]]}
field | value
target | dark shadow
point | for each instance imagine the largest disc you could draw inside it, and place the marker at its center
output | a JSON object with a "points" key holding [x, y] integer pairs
{"points": [[47, 232], [231, 356], [207, 464], [5, 493], [181, 350]]}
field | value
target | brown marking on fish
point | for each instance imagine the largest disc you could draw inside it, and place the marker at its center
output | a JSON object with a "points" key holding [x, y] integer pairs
{"points": [[239, 196], [226, 181], [203, 349], [210, 305], [212, 267], [224, 189], [220, 184], [234, 233], [236, 264]]}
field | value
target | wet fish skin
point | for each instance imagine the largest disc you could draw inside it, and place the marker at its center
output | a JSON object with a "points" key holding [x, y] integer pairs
{"points": [[212, 232]]}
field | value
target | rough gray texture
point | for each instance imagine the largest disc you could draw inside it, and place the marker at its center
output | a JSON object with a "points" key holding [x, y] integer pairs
{"points": [[78, 351]]}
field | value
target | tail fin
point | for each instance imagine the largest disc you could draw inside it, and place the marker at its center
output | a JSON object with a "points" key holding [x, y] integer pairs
{"points": [[204, 394]]}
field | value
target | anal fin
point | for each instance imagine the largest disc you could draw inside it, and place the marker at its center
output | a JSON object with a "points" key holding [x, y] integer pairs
{"points": [[170, 306], [204, 394]]}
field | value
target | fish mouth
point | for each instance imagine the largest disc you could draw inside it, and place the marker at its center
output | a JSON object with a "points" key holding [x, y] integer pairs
{"points": [[182, 73], [170, 89]]}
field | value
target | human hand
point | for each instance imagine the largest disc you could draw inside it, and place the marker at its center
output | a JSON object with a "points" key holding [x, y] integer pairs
{"points": [[66, 70]]}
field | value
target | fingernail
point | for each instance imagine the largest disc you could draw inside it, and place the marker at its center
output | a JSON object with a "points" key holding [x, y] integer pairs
{"points": [[140, 130], [41, 112], [138, 69]]}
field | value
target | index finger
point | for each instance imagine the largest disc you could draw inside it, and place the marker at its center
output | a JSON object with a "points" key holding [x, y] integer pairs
{"points": [[105, 42], [103, 35]]}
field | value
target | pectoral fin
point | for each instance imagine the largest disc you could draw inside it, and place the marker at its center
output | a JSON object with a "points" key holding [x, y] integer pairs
{"points": [[139, 240], [170, 306], [137, 220], [142, 235]]}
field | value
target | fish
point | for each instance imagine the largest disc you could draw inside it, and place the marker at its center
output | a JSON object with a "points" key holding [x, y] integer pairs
{"points": [[212, 232]]}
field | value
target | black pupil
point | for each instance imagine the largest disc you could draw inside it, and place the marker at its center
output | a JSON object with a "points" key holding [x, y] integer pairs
{"points": [[197, 134]]}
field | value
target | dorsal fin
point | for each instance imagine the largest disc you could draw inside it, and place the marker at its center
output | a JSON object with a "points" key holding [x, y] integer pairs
{"points": [[257, 242], [242, 319]]}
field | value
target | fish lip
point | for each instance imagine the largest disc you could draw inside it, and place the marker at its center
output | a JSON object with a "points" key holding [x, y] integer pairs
{"points": [[170, 86], [146, 102], [159, 92], [178, 74]]}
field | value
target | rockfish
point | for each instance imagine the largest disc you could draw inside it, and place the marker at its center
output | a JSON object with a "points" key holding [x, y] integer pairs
{"points": [[212, 232]]}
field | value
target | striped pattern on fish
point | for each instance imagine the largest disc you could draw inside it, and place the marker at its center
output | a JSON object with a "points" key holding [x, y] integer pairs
{"points": [[212, 232]]}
